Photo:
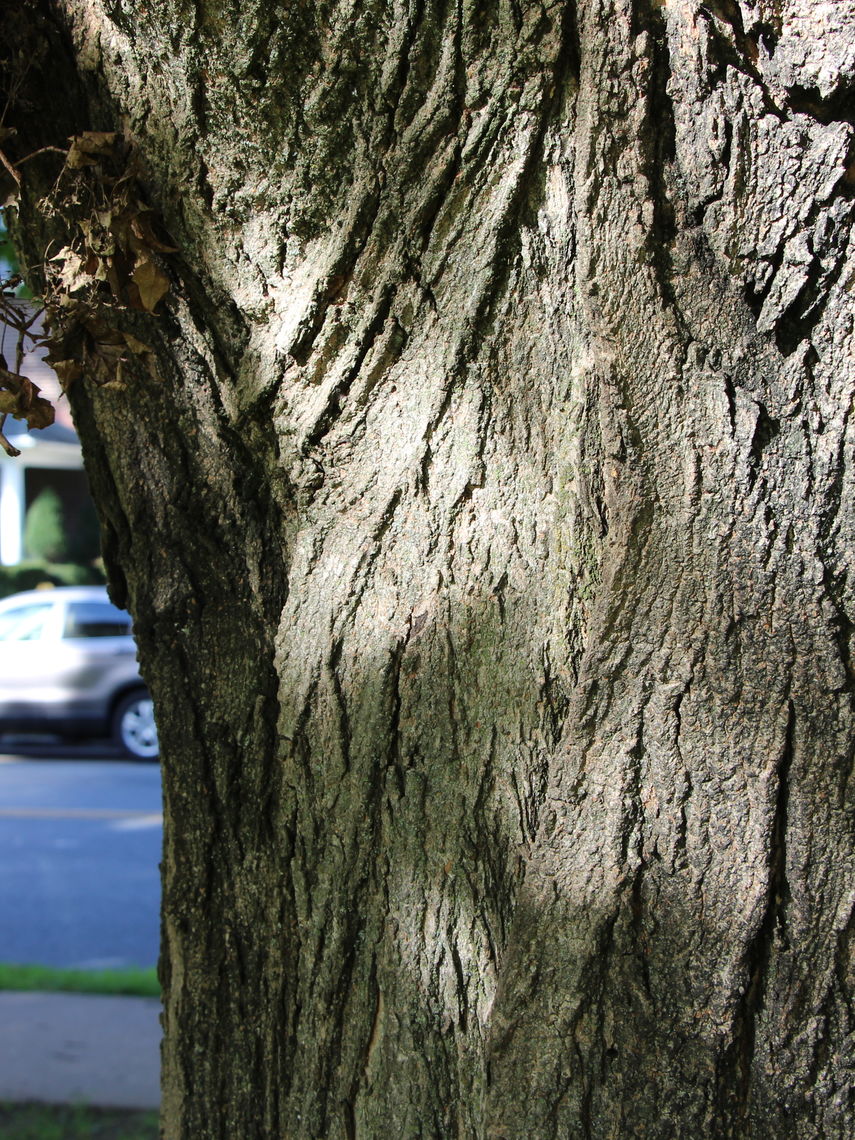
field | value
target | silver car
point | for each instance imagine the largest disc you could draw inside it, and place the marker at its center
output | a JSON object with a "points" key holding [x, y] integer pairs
{"points": [[68, 666]]}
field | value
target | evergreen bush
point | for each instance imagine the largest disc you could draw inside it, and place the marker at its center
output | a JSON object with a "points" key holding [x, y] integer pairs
{"points": [[46, 535]]}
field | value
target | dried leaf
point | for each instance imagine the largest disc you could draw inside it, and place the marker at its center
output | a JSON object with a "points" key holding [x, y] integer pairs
{"points": [[41, 414], [104, 363], [19, 397], [136, 346], [152, 283], [117, 276], [68, 371], [143, 228], [73, 275], [90, 147], [102, 244]]}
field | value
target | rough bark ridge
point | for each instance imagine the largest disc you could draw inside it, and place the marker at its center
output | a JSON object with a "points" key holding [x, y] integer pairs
{"points": [[486, 512]]}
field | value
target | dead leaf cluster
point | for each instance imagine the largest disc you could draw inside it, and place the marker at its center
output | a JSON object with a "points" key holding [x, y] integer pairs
{"points": [[112, 259], [115, 242], [84, 338], [19, 396], [111, 255]]}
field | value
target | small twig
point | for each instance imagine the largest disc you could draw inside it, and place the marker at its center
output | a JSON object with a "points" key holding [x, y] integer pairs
{"points": [[38, 312], [5, 161], [8, 287], [11, 315], [41, 150]]}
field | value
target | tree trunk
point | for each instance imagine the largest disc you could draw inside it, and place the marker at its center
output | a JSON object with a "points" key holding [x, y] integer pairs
{"points": [[482, 491]]}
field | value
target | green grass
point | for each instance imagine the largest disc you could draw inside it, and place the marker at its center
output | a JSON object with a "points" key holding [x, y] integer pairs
{"points": [[75, 1122], [137, 983]]}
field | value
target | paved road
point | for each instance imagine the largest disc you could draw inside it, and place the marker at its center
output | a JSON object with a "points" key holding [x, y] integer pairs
{"points": [[80, 844]]}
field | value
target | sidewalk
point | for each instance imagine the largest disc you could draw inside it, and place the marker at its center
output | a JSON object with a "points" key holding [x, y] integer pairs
{"points": [[61, 1048]]}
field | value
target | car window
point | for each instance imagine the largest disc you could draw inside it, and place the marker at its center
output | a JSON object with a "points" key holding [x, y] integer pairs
{"points": [[25, 623], [95, 619]]}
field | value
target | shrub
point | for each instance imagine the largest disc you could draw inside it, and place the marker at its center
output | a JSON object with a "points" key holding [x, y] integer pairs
{"points": [[45, 531]]}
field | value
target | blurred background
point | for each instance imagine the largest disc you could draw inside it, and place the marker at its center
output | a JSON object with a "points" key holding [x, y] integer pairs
{"points": [[80, 797]]}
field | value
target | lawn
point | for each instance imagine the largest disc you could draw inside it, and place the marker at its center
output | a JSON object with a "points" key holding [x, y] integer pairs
{"points": [[75, 1122], [137, 983]]}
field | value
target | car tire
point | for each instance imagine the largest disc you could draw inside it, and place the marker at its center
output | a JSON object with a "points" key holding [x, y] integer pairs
{"points": [[134, 730]]}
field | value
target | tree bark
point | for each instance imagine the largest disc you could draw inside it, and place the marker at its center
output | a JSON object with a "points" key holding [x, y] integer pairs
{"points": [[483, 497]]}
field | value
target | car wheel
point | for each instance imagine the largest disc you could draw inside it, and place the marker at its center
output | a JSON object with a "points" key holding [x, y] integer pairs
{"points": [[134, 730]]}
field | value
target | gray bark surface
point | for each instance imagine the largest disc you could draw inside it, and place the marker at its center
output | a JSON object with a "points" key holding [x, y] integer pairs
{"points": [[485, 505]]}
